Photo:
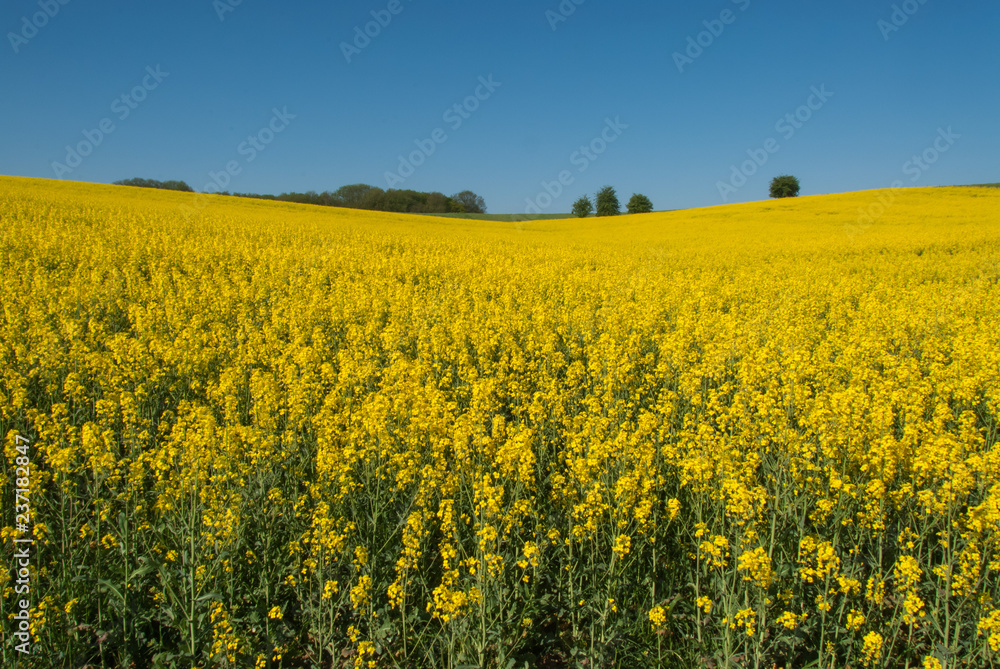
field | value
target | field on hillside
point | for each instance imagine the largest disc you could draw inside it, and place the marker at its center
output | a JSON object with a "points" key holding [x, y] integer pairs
{"points": [[508, 218], [254, 434]]}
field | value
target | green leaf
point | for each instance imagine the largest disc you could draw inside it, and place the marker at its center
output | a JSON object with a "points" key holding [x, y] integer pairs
{"points": [[106, 586]]}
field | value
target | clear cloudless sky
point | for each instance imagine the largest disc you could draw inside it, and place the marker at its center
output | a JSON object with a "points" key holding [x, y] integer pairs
{"points": [[679, 131]]}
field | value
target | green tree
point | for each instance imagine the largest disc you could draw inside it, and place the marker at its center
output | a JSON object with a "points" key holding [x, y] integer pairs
{"points": [[639, 204], [784, 186], [583, 207], [438, 203], [607, 202], [472, 203], [353, 196]]}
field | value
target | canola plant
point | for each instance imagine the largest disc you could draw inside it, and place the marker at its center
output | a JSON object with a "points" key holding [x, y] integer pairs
{"points": [[259, 434]]}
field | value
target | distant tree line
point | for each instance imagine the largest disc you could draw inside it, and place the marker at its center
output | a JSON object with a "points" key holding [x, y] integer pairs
{"points": [[356, 196], [153, 183], [363, 196]]}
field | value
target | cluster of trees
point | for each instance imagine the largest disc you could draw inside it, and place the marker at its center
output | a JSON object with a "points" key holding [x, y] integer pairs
{"points": [[153, 183], [608, 204], [355, 196]]}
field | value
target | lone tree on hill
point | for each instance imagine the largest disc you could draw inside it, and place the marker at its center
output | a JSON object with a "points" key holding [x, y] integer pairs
{"points": [[784, 186], [639, 204], [583, 207], [607, 202]]}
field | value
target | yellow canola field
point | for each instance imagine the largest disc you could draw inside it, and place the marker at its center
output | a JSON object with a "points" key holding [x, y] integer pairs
{"points": [[272, 435]]}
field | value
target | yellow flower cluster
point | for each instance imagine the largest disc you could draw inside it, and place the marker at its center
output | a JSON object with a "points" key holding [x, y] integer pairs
{"points": [[872, 649], [657, 617], [790, 620], [715, 551], [744, 618], [756, 565]]}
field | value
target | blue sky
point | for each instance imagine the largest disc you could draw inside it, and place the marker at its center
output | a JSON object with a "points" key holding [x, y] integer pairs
{"points": [[594, 93]]}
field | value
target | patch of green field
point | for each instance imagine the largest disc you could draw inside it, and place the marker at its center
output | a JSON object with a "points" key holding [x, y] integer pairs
{"points": [[510, 218]]}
